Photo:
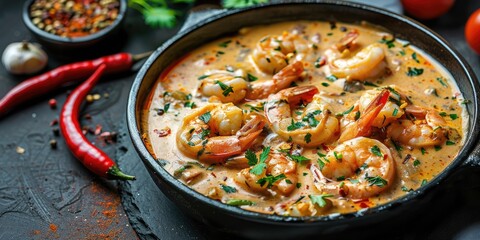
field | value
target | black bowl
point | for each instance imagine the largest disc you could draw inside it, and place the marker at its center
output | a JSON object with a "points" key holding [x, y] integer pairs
{"points": [[262, 226], [62, 45]]}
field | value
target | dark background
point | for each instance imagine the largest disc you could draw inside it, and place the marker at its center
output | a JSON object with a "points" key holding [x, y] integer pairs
{"points": [[46, 194]]}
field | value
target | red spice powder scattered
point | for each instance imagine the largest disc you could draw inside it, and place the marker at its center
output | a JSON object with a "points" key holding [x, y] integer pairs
{"points": [[53, 227]]}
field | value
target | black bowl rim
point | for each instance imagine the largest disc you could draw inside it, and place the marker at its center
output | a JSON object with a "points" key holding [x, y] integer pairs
{"points": [[66, 40], [154, 166]]}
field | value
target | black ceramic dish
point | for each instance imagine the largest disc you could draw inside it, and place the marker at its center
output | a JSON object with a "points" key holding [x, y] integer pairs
{"points": [[74, 45], [255, 225]]}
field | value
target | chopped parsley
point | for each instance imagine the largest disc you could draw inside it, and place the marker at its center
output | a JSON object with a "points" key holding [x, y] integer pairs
{"points": [[414, 71], [310, 118], [440, 80], [338, 156], [255, 108], [395, 112], [258, 164], [228, 189], [450, 142], [308, 138], [203, 77], [348, 111], [178, 172], [205, 117], [325, 84], [320, 199], [357, 115], [270, 180], [443, 114], [319, 62], [298, 158], [226, 89], [166, 107], [414, 56], [204, 133], [295, 125], [332, 78], [239, 202], [341, 178], [416, 162], [437, 148], [224, 44], [377, 181], [452, 116], [424, 182], [389, 43], [189, 104], [299, 185], [376, 151], [423, 151], [251, 78]]}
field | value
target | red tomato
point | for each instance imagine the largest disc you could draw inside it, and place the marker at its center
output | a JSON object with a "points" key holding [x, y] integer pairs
{"points": [[472, 31], [427, 9]]}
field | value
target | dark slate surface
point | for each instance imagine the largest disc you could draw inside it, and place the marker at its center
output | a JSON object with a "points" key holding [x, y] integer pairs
{"points": [[47, 194]]}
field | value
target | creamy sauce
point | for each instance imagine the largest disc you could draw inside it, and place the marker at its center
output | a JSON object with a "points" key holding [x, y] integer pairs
{"points": [[405, 68]]}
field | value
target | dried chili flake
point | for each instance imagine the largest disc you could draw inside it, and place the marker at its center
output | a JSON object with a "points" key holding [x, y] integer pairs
{"points": [[72, 19], [163, 132], [52, 103]]}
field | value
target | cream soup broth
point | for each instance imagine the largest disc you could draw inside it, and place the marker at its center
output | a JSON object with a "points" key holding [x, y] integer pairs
{"points": [[305, 118]]}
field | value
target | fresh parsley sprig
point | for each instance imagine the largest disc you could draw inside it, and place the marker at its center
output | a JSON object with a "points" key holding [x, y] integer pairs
{"points": [[258, 164], [241, 3], [158, 13]]}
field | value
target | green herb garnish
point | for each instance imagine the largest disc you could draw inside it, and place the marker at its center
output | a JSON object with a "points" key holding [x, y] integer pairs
{"points": [[377, 181], [251, 78], [224, 44], [308, 138], [270, 180], [295, 125], [205, 117], [228, 189], [226, 89], [376, 150], [259, 165], [320, 199], [239, 202], [414, 71]]}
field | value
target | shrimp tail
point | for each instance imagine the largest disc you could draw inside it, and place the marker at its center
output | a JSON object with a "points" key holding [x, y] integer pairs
{"points": [[303, 94], [373, 109], [363, 126], [279, 81], [347, 41], [220, 148]]}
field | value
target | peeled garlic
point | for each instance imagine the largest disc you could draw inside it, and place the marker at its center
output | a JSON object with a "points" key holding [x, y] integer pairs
{"points": [[24, 58]]}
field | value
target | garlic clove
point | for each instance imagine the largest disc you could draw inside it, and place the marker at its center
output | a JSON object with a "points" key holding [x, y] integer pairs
{"points": [[24, 58]]}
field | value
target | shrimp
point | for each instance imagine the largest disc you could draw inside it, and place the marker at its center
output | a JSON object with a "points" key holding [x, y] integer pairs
{"points": [[363, 125], [215, 132], [429, 129], [310, 126], [359, 168], [226, 86], [393, 109], [280, 80], [272, 53], [367, 63], [276, 165]]}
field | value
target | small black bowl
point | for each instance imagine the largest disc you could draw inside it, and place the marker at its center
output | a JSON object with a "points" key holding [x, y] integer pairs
{"points": [[92, 42]]}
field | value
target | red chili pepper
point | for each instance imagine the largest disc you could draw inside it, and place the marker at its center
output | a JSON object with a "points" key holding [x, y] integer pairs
{"points": [[61, 76], [91, 157]]}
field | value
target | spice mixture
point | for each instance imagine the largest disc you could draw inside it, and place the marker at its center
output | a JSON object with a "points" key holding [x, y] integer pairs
{"points": [[74, 18]]}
